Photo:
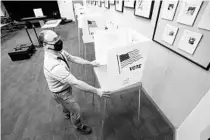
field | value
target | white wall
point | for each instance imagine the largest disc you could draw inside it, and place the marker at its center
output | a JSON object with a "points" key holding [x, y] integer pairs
{"points": [[66, 9], [197, 125], [3, 9], [175, 84]]}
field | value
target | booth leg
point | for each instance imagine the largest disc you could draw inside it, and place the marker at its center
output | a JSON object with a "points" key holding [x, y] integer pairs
{"points": [[78, 39], [139, 103], [103, 119]]}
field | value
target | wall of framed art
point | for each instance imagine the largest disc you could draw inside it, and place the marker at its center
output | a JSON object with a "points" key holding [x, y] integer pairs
{"points": [[177, 30]]}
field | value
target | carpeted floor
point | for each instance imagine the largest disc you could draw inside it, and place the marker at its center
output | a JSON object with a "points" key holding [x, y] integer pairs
{"points": [[29, 112]]}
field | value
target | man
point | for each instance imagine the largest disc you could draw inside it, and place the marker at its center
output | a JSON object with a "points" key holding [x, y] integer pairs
{"points": [[60, 80]]}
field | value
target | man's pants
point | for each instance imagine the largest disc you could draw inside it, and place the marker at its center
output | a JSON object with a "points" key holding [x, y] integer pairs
{"points": [[69, 104]]}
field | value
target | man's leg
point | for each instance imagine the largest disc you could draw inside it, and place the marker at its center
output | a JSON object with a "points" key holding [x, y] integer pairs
{"points": [[58, 99], [73, 107], [66, 112]]}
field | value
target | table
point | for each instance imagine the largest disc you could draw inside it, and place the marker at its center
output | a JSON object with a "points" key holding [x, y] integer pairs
{"points": [[102, 78], [52, 24]]}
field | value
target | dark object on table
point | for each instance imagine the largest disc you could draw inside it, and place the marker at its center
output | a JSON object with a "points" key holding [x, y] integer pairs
{"points": [[21, 52], [64, 21]]}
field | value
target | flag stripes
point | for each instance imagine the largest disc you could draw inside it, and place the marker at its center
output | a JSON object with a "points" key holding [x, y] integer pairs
{"points": [[92, 24], [129, 57]]}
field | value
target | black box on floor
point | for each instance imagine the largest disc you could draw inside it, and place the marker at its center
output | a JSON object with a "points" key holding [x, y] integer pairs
{"points": [[21, 52]]}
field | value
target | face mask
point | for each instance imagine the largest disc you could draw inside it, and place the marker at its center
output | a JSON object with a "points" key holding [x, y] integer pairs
{"points": [[58, 46]]}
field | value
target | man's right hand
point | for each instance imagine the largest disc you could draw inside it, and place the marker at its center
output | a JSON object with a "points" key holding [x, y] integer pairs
{"points": [[103, 93]]}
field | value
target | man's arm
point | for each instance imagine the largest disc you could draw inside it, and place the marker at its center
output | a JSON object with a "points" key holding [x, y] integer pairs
{"points": [[79, 60], [66, 76], [76, 59], [85, 87]]}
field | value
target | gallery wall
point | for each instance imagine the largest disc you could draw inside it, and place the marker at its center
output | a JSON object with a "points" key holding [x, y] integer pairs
{"points": [[175, 84], [197, 124]]}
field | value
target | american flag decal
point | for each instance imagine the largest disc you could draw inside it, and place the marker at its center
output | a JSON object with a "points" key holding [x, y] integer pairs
{"points": [[129, 58], [91, 24]]}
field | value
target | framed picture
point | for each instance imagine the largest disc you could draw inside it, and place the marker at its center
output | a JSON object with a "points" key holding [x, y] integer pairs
{"points": [[189, 41], [188, 12], [169, 34], [144, 8], [111, 2], [169, 8], [106, 4], [129, 3], [91, 2], [99, 3], [119, 4], [205, 20]]}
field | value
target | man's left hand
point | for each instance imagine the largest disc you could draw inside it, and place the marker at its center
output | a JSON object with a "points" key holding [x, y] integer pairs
{"points": [[95, 64]]}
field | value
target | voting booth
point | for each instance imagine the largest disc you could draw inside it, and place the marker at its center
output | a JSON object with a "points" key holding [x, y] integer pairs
{"points": [[90, 23], [106, 40]]}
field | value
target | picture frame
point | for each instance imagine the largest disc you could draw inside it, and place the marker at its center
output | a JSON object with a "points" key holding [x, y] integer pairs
{"points": [[111, 2], [106, 4], [169, 34], [189, 41], [99, 3], [91, 2], [129, 3], [144, 8], [119, 5], [188, 12], [205, 20], [196, 54], [169, 8]]}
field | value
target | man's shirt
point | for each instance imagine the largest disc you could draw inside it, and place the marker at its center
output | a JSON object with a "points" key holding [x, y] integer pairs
{"points": [[57, 72]]}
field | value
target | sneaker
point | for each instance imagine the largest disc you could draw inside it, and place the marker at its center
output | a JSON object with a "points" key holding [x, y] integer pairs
{"points": [[84, 129]]}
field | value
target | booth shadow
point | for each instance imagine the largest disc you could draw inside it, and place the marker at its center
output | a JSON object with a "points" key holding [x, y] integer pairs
{"points": [[121, 122]]}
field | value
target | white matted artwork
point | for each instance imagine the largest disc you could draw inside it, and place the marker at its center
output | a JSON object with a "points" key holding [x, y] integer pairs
{"points": [[189, 11], [143, 8], [169, 9], [169, 34], [205, 20], [111, 2], [129, 3], [189, 41], [106, 4], [119, 5], [99, 3], [125, 63]]}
